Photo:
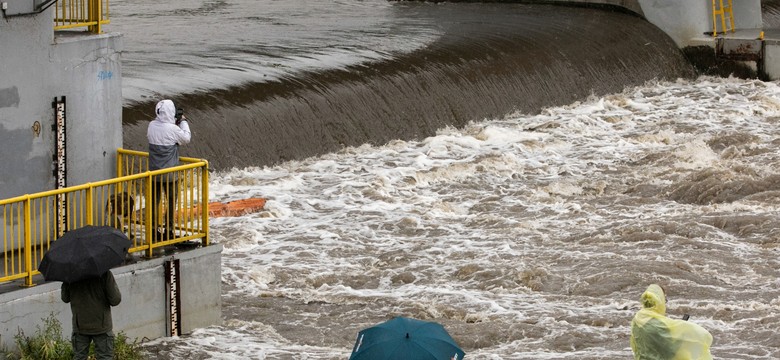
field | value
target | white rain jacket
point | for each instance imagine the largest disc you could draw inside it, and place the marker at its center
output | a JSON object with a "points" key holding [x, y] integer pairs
{"points": [[165, 136]]}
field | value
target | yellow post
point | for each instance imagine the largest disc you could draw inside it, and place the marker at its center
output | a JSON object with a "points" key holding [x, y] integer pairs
{"points": [[731, 15], [148, 214], [89, 206], [119, 162], [205, 204], [120, 186], [715, 13], [28, 241], [722, 17], [94, 15]]}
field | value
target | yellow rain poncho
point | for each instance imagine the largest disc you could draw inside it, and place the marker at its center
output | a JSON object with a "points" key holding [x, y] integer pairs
{"points": [[657, 337]]}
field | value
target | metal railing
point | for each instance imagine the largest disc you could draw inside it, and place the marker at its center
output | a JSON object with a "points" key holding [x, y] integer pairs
{"points": [[722, 11], [30, 223], [92, 14]]}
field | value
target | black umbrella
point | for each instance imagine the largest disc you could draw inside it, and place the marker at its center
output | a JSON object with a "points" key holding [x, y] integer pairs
{"points": [[84, 253]]}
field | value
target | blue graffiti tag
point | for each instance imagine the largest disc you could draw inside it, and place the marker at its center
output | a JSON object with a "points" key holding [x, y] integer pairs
{"points": [[105, 75]]}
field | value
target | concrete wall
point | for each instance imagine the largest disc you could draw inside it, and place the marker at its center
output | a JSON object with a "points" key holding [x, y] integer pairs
{"points": [[142, 312], [36, 67], [747, 14], [688, 21], [681, 20], [89, 73], [685, 21], [772, 58]]}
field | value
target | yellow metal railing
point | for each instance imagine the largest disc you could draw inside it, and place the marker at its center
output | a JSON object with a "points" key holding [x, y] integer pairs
{"points": [[92, 14], [30, 223], [722, 12]]}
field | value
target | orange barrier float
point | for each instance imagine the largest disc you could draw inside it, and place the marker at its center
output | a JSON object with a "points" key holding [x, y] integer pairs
{"points": [[232, 208], [236, 208]]}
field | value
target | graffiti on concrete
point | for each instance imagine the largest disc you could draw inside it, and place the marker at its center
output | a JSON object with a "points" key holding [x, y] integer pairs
{"points": [[105, 75]]}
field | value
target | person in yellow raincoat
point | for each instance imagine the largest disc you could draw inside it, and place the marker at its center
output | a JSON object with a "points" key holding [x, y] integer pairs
{"points": [[657, 337]]}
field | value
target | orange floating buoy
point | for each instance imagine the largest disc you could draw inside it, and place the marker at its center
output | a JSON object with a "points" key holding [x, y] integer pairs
{"points": [[232, 208], [237, 208]]}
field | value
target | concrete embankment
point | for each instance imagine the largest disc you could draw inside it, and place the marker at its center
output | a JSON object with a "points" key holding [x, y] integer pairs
{"points": [[146, 310]]}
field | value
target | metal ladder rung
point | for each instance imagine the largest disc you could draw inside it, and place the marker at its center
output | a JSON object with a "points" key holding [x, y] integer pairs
{"points": [[722, 12]]}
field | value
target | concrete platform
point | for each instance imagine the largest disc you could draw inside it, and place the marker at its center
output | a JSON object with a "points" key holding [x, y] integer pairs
{"points": [[746, 45], [144, 311], [741, 34]]}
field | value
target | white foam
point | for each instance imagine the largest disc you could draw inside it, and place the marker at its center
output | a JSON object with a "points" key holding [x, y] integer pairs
{"points": [[548, 225]]}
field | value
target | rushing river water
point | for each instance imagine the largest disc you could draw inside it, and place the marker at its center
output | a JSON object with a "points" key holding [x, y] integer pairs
{"points": [[528, 236], [397, 184]]}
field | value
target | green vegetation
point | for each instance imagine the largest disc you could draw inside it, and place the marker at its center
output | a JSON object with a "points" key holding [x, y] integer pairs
{"points": [[123, 350], [48, 344]]}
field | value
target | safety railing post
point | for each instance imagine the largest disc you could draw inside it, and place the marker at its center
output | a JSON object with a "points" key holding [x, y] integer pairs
{"points": [[723, 17], [731, 15], [119, 163], [714, 20], [94, 15], [204, 203], [28, 266], [148, 203], [89, 216]]}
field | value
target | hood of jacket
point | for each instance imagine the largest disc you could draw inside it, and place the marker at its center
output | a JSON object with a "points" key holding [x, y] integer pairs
{"points": [[166, 112], [654, 299]]}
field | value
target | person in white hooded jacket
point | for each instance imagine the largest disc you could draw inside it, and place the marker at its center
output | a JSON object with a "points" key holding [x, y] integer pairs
{"points": [[165, 134]]}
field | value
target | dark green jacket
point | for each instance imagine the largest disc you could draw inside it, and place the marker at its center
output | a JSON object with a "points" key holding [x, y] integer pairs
{"points": [[90, 302]]}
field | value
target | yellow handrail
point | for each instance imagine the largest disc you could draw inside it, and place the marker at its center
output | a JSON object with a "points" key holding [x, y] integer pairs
{"points": [[92, 14], [29, 222]]}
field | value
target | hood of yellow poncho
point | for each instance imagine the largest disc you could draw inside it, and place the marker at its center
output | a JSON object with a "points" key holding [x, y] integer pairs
{"points": [[654, 299]]}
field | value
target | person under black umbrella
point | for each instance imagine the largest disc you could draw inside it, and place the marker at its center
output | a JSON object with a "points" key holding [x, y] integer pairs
{"points": [[82, 259], [90, 302]]}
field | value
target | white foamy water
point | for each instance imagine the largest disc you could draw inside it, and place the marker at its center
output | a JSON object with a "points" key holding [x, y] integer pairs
{"points": [[528, 237]]}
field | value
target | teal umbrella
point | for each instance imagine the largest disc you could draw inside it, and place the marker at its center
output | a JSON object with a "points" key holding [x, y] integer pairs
{"points": [[406, 339]]}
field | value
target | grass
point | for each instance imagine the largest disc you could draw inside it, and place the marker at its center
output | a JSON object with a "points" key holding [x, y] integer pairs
{"points": [[48, 344]]}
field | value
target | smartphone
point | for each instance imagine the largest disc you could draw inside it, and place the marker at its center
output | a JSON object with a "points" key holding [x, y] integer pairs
{"points": [[686, 317]]}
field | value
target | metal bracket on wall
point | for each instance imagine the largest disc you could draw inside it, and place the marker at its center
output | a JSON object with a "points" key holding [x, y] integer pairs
{"points": [[36, 128], [25, 7]]}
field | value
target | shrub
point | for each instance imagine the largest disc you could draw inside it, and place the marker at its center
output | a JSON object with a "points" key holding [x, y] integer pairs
{"points": [[48, 344], [124, 350]]}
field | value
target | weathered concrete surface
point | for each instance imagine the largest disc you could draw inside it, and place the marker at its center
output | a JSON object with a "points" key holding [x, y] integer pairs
{"points": [[684, 21], [142, 312], [772, 58], [35, 67], [689, 23]]}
